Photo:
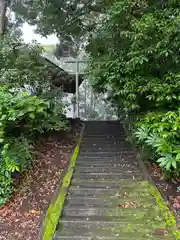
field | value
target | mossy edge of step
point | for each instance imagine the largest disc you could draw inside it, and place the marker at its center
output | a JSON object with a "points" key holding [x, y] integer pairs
{"points": [[167, 214], [54, 210]]}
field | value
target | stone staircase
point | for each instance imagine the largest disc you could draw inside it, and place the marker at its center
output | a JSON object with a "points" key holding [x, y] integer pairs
{"points": [[109, 197]]}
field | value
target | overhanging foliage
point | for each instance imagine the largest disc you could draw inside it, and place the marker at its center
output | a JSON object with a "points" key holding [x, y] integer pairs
{"points": [[27, 109], [136, 54]]}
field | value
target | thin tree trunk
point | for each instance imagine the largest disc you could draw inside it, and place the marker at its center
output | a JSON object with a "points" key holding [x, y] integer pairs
{"points": [[3, 8]]}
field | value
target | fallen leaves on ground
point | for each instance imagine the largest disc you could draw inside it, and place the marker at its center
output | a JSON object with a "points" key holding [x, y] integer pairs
{"points": [[169, 188], [127, 205], [22, 216]]}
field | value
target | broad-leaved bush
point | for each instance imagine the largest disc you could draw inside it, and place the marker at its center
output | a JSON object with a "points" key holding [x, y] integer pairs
{"points": [[26, 111], [135, 57]]}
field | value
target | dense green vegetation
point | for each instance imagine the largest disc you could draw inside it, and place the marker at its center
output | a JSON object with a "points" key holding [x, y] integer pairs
{"points": [[135, 55], [27, 107], [69, 20]]}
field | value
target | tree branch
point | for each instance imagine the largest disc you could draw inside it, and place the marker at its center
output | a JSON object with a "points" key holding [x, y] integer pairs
{"points": [[3, 8]]}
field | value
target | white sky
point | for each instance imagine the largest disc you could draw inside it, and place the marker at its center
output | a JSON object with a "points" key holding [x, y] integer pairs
{"points": [[29, 35]]}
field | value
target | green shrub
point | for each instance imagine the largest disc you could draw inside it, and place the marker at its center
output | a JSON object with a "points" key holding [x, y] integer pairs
{"points": [[5, 181], [22, 65], [135, 58], [20, 112], [22, 117], [160, 131], [16, 156], [19, 153]]}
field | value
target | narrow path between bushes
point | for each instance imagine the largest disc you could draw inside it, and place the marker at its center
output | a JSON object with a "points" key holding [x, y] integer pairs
{"points": [[110, 196]]}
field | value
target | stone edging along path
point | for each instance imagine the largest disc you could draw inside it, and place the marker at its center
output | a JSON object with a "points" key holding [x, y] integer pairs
{"points": [[162, 199], [54, 210]]}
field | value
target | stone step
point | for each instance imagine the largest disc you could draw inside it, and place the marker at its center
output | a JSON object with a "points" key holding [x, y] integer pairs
{"points": [[133, 214], [103, 234], [119, 157], [100, 176], [77, 225], [103, 129], [105, 169], [105, 193], [109, 219], [110, 192], [100, 142], [92, 143], [121, 220], [107, 164], [106, 144], [104, 136], [110, 149], [108, 184], [112, 202], [101, 159], [97, 183], [107, 154], [105, 151], [107, 161]]}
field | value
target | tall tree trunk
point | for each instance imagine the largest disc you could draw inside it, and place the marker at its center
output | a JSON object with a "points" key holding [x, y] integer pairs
{"points": [[3, 8]]}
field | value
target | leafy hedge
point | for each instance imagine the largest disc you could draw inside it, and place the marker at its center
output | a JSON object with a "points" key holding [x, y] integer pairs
{"points": [[135, 57], [160, 132], [24, 116], [21, 65]]}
